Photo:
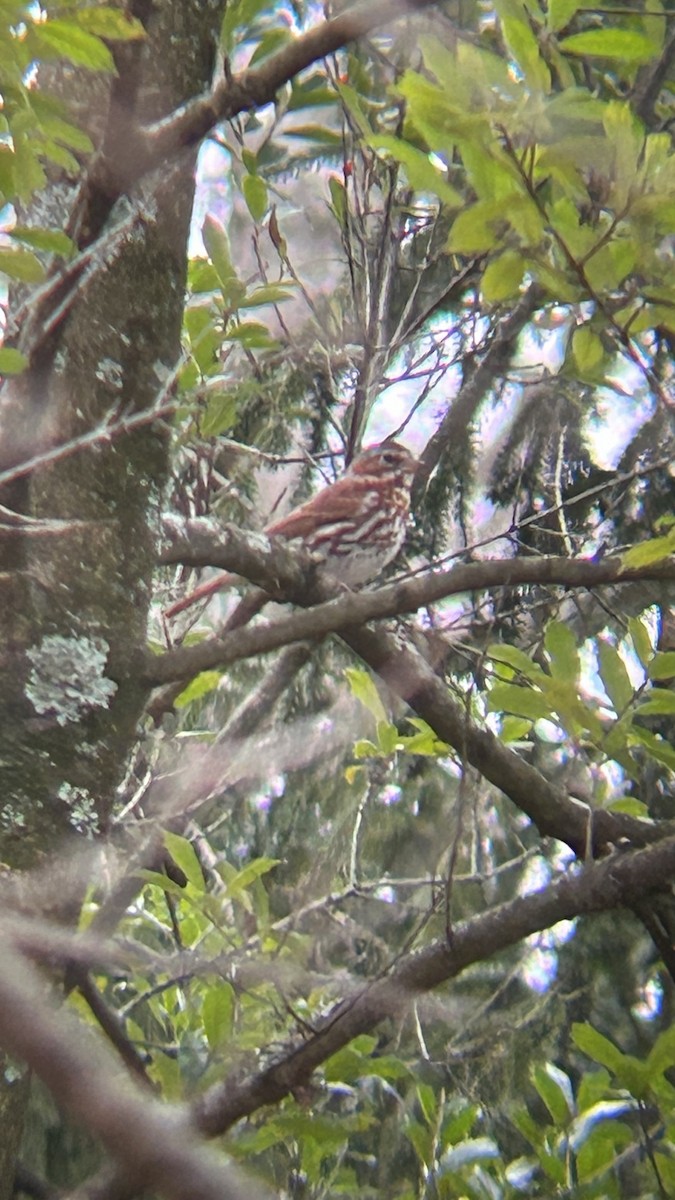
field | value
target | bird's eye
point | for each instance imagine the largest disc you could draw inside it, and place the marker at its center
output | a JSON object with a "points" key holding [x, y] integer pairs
{"points": [[390, 458]]}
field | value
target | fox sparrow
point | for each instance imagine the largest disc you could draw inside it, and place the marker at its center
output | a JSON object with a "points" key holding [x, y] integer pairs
{"points": [[357, 524]]}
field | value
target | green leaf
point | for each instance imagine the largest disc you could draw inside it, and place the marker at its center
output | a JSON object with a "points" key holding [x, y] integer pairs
{"points": [[529, 1128], [310, 92], [594, 1086], [387, 737], [218, 249], [420, 170], [467, 1153], [363, 748], [352, 102], [338, 197], [425, 741], [522, 701], [183, 853], [220, 415], [116, 24], [62, 157], [596, 1046], [166, 1072], [205, 338], [270, 293], [323, 135], [607, 268], [561, 646], [218, 1014], [625, 44], [22, 265], [514, 728], [66, 39], [271, 41], [656, 746], [658, 701], [63, 131], [51, 240], [473, 231], [202, 276], [255, 194], [200, 686], [363, 687], [421, 1139], [522, 44], [457, 1126], [630, 1072], [239, 881], [642, 642], [251, 334], [649, 552], [7, 177], [662, 665], [502, 277], [598, 1137], [614, 676], [587, 349], [560, 13], [12, 362], [661, 1057], [630, 806], [161, 881], [238, 13], [555, 1089], [513, 657]]}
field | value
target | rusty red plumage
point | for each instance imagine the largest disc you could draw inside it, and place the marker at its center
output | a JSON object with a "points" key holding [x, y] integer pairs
{"points": [[357, 524]]}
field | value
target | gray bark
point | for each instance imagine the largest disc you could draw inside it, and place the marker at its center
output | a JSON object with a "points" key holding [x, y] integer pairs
{"points": [[74, 599]]}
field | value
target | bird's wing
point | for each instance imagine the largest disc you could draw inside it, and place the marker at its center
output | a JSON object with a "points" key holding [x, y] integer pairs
{"points": [[334, 504]]}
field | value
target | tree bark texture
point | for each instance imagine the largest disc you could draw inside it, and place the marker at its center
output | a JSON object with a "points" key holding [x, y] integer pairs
{"points": [[74, 595]]}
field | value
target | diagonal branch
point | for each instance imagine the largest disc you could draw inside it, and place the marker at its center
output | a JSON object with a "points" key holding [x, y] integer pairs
{"points": [[155, 1145], [651, 80], [410, 676], [250, 89], [477, 383], [617, 881]]}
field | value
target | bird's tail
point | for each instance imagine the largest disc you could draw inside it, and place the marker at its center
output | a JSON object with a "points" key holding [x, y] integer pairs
{"points": [[205, 590]]}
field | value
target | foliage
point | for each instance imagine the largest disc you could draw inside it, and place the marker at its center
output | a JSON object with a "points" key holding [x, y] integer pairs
{"points": [[459, 233]]}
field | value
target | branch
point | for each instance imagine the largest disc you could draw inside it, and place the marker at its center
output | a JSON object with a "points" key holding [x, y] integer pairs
{"points": [[651, 80], [410, 676], [616, 882], [155, 1144], [477, 382], [620, 880], [258, 86], [277, 571], [554, 812]]}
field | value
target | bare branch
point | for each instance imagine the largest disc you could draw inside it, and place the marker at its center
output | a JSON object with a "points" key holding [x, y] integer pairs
{"points": [[477, 383], [346, 611]]}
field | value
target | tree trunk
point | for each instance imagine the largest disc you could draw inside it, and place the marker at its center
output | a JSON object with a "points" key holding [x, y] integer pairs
{"points": [[74, 597]]}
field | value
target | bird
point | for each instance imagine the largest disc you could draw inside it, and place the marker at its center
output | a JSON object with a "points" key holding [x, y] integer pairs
{"points": [[355, 525]]}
